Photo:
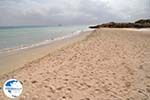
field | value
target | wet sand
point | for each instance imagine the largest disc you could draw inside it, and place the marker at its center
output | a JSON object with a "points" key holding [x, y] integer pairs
{"points": [[109, 64]]}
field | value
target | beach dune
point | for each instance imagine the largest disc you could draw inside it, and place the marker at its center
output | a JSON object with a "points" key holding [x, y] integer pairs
{"points": [[109, 64]]}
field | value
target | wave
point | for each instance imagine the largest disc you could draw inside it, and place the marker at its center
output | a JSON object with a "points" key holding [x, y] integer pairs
{"points": [[48, 41]]}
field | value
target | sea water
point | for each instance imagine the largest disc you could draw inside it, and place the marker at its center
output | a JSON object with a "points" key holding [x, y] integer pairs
{"points": [[17, 38]]}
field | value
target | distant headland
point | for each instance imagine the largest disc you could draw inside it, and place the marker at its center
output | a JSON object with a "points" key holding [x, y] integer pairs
{"points": [[142, 23]]}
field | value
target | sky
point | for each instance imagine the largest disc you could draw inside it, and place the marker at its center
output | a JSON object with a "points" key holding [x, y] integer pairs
{"points": [[71, 12]]}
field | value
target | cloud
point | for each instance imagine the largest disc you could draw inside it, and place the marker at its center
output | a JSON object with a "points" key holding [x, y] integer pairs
{"points": [[53, 12], [129, 9]]}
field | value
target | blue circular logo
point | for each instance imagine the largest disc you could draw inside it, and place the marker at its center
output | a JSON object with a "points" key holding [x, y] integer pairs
{"points": [[12, 88]]}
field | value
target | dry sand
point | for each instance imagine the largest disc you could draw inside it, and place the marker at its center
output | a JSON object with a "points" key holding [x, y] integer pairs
{"points": [[110, 64]]}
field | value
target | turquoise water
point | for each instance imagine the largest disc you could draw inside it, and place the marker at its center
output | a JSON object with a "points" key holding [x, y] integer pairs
{"points": [[23, 37]]}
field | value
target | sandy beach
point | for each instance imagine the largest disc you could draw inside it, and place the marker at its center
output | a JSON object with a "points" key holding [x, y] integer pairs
{"points": [[107, 64]]}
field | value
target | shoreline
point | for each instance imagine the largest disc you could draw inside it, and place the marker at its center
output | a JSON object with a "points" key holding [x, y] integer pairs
{"points": [[106, 64], [29, 55], [13, 60], [42, 43]]}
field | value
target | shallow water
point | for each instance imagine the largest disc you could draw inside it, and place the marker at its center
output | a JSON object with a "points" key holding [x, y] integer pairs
{"points": [[16, 38]]}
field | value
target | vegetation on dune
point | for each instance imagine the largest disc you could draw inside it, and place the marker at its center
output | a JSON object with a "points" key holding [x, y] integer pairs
{"points": [[143, 23]]}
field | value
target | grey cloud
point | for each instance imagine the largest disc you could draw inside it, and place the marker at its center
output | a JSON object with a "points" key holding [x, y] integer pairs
{"points": [[53, 12]]}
